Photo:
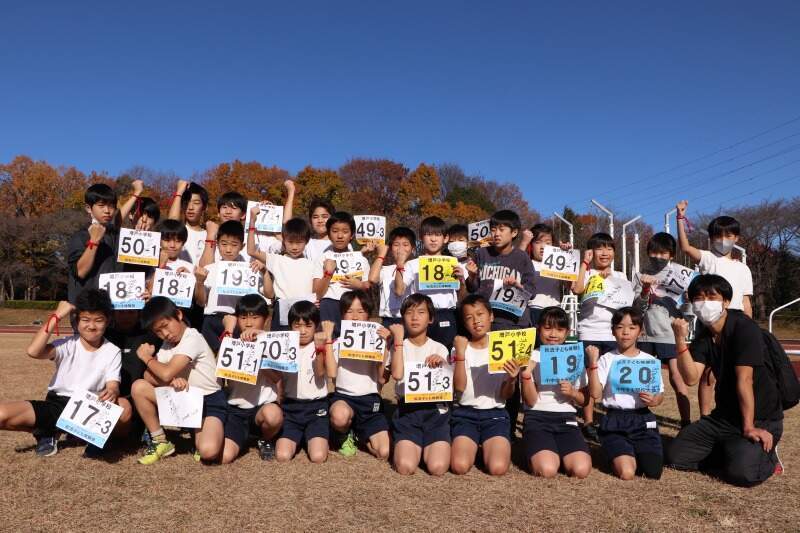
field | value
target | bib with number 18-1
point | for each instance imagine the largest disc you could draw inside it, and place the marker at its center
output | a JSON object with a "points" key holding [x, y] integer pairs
{"points": [[177, 286], [138, 247], [509, 298]]}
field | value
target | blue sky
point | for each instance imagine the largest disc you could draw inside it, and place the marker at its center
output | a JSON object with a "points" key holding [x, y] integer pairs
{"points": [[568, 100]]}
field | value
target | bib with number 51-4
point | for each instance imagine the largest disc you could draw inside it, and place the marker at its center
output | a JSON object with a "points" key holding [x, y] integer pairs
{"points": [[238, 360], [360, 340], [510, 344], [436, 272], [632, 375], [236, 278], [88, 418], [425, 384], [509, 298], [560, 264], [138, 247]]}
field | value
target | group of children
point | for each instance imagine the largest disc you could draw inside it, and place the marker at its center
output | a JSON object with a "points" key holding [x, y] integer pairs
{"points": [[304, 285]]}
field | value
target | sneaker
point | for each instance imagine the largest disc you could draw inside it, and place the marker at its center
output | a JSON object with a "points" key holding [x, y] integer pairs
{"points": [[779, 466], [348, 447], [590, 432], [145, 440], [93, 452], [46, 446], [266, 450], [196, 456], [156, 451]]}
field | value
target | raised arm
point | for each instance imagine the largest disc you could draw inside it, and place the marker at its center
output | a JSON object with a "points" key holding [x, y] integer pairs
{"points": [[127, 206], [175, 211], [683, 239], [40, 348], [690, 370]]}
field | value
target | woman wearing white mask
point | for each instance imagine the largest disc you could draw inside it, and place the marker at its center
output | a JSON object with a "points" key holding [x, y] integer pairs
{"points": [[742, 432]]}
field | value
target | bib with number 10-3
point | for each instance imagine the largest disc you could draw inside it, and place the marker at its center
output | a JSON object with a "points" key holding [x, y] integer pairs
{"points": [[510, 344], [138, 247], [509, 298], [436, 272], [236, 278], [279, 350], [124, 288], [238, 360], [560, 264], [632, 375], [425, 384], [560, 362], [360, 340], [177, 286], [88, 418], [370, 228]]}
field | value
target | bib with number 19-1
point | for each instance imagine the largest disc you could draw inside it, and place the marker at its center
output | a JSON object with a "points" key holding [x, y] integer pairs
{"points": [[509, 298], [88, 418], [177, 286], [560, 264], [360, 340], [436, 272], [138, 247], [236, 278], [560, 362], [370, 228], [510, 344], [425, 384], [632, 375], [238, 360]]}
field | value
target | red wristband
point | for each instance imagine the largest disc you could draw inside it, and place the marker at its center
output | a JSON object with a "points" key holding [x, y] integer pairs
{"points": [[398, 345], [328, 342], [399, 269], [176, 195], [680, 217], [90, 244], [47, 324], [328, 274], [212, 242], [320, 350], [457, 360], [526, 379], [591, 367], [251, 229], [588, 266], [224, 334], [685, 349], [381, 257]]}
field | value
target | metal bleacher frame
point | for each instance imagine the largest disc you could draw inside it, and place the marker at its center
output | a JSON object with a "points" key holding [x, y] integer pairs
{"points": [[784, 306]]}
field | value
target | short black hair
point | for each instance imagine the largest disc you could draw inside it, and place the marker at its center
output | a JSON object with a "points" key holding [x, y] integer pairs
{"points": [[662, 243], [706, 284], [432, 226], [416, 299], [722, 225], [553, 317], [147, 206], [366, 302], [297, 228], [600, 240], [342, 217], [94, 301], [190, 191], [234, 199], [505, 217], [173, 229], [324, 203], [252, 304], [541, 229], [157, 308], [305, 311], [636, 316], [473, 299], [458, 230], [231, 228], [402, 232], [100, 192]]}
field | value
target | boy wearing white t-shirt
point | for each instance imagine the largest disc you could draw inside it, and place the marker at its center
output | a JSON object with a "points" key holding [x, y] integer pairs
{"points": [[173, 238], [86, 361], [390, 278], [547, 292], [189, 205]]}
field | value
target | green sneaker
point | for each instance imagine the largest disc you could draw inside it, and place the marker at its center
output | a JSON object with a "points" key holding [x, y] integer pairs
{"points": [[196, 456], [156, 451], [348, 447]]}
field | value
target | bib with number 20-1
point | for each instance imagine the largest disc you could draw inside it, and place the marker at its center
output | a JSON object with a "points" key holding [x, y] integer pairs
{"points": [[632, 375]]}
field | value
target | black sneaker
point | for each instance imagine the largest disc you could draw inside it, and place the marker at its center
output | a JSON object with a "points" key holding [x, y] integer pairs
{"points": [[590, 432], [46, 446], [266, 450], [92, 452]]}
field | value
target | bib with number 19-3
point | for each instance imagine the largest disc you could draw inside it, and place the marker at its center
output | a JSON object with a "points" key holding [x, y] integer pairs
{"points": [[632, 375], [236, 278]]}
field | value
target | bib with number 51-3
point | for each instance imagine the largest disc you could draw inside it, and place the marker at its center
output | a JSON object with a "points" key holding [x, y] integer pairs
{"points": [[138, 247], [509, 298], [560, 264], [360, 340], [436, 272], [632, 375], [238, 360], [88, 418], [510, 344], [236, 278], [425, 384]]}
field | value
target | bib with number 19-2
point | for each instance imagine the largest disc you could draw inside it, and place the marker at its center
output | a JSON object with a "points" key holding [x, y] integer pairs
{"points": [[632, 375], [510, 344], [436, 272], [509, 298]]}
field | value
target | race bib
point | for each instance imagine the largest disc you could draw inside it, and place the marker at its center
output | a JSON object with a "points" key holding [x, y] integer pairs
{"points": [[177, 286], [632, 375], [370, 228], [88, 418], [509, 298], [424, 384], [238, 360], [180, 409], [560, 362], [510, 344], [236, 278], [479, 232], [673, 282], [560, 264], [360, 340], [436, 272], [349, 265], [124, 288], [279, 350], [618, 293], [138, 247], [269, 219]]}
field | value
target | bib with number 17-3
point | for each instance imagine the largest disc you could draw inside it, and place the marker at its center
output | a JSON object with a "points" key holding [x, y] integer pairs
{"points": [[632, 375], [88, 418]]}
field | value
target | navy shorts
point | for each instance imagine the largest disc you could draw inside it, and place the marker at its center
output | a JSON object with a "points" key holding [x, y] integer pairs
{"points": [[212, 329], [444, 327], [275, 322], [556, 432], [421, 423], [216, 405], [479, 425], [304, 420], [329, 310], [368, 415], [603, 346], [664, 351], [47, 412], [239, 423], [626, 432]]}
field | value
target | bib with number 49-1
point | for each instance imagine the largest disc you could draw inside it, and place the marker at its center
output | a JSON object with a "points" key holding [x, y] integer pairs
{"points": [[360, 340], [633, 375], [238, 360], [236, 278], [509, 298], [124, 288], [560, 264], [177, 286], [279, 350], [560, 362], [425, 384], [436, 272], [370, 228], [138, 247], [510, 344], [88, 418]]}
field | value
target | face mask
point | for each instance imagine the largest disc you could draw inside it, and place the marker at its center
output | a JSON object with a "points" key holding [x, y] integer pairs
{"points": [[722, 246], [457, 248], [658, 264], [707, 311]]}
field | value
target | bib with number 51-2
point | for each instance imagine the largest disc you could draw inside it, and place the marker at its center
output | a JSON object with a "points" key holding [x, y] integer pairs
{"points": [[509, 298], [88, 418], [138, 247], [510, 344], [632, 375], [425, 384], [360, 340]]}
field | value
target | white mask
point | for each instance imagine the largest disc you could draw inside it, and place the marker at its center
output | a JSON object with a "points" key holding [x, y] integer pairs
{"points": [[707, 311], [722, 247], [457, 248]]}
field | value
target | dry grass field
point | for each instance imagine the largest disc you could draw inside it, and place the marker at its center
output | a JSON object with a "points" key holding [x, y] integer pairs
{"points": [[69, 493]]}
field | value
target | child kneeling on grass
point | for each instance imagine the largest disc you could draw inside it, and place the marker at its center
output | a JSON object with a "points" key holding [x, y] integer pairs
{"points": [[184, 360]]}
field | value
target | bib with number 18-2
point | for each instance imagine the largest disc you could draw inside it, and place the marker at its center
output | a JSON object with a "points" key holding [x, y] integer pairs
{"points": [[436, 272]]}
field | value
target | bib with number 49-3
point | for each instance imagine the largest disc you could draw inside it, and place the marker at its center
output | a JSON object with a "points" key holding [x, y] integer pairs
{"points": [[370, 228], [236, 278], [510, 344], [560, 264], [632, 375], [479, 232], [88, 418], [560, 362], [138, 247], [177, 286], [360, 340], [509, 298], [436, 272], [238, 360], [279, 350], [425, 384], [124, 288]]}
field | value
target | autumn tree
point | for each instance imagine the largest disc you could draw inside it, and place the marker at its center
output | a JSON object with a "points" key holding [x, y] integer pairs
{"points": [[319, 183], [254, 180], [30, 188], [373, 185], [419, 191]]}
